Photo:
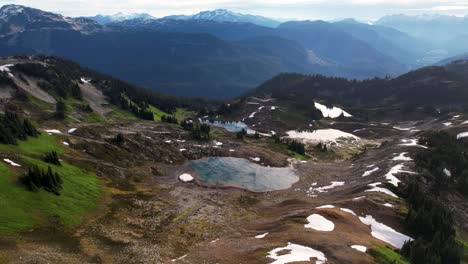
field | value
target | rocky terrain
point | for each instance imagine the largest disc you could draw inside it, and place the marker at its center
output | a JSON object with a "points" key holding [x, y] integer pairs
{"points": [[344, 208]]}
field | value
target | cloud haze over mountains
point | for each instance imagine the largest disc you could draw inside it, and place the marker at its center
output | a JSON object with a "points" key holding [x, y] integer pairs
{"points": [[280, 9]]}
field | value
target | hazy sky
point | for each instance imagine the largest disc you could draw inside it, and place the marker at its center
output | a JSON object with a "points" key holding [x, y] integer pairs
{"points": [[283, 9]]}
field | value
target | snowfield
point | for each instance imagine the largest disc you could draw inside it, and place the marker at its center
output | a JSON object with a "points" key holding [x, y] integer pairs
{"points": [[385, 233], [319, 223], [295, 253], [380, 189], [321, 135], [331, 112], [462, 135]]}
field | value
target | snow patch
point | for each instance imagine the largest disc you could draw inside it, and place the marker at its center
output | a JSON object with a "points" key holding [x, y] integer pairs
{"points": [[321, 135], [66, 143], [85, 81], [319, 223], [402, 157], [256, 159], [325, 189], [328, 206], [390, 176], [53, 131], [462, 135], [369, 172], [388, 205], [382, 190], [385, 233], [331, 112], [262, 235], [359, 248], [349, 211], [412, 143], [71, 130], [12, 163], [186, 177], [295, 253], [447, 172], [448, 124]]}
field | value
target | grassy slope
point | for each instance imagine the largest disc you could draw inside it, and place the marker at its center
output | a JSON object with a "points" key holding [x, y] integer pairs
{"points": [[22, 210], [384, 255]]}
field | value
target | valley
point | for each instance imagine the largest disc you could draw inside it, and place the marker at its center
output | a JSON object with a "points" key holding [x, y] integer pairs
{"points": [[295, 177]]}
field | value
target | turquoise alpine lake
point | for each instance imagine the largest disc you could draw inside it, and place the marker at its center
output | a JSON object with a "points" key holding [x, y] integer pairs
{"points": [[242, 173]]}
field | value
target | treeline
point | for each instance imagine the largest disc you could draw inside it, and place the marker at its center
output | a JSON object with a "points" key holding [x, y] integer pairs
{"points": [[445, 162], [13, 128], [36, 179], [431, 224], [442, 167]]}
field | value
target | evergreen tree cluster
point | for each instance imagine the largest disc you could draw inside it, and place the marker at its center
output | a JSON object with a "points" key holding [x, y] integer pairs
{"points": [[169, 119], [241, 134], [13, 128], [52, 158], [292, 145], [141, 111], [119, 139], [321, 147], [53, 79], [445, 153], [187, 125], [431, 224], [201, 132], [36, 179]]}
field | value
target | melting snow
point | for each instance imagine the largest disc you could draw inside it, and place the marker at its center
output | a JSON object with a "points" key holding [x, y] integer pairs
{"points": [[348, 211], [448, 124], [186, 177], [256, 159], [319, 223], [447, 172], [182, 150], [369, 172], [71, 130], [6, 68], [359, 248], [168, 141], [66, 143], [12, 163], [358, 198], [403, 128], [85, 81], [331, 112], [325, 189], [327, 135], [53, 131], [380, 189], [385, 233], [252, 115], [388, 205], [328, 206], [402, 157], [462, 135], [180, 258], [390, 176], [262, 235], [412, 143], [296, 253]]}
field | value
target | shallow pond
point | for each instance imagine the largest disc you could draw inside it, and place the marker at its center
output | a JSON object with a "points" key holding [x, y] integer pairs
{"points": [[231, 126], [236, 172]]}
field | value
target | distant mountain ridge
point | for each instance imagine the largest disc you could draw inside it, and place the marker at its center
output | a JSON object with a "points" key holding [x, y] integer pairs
{"points": [[107, 19], [223, 15]]}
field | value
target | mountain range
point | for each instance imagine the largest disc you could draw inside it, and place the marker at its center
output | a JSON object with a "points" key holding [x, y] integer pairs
{"points": [[214, 54]]}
